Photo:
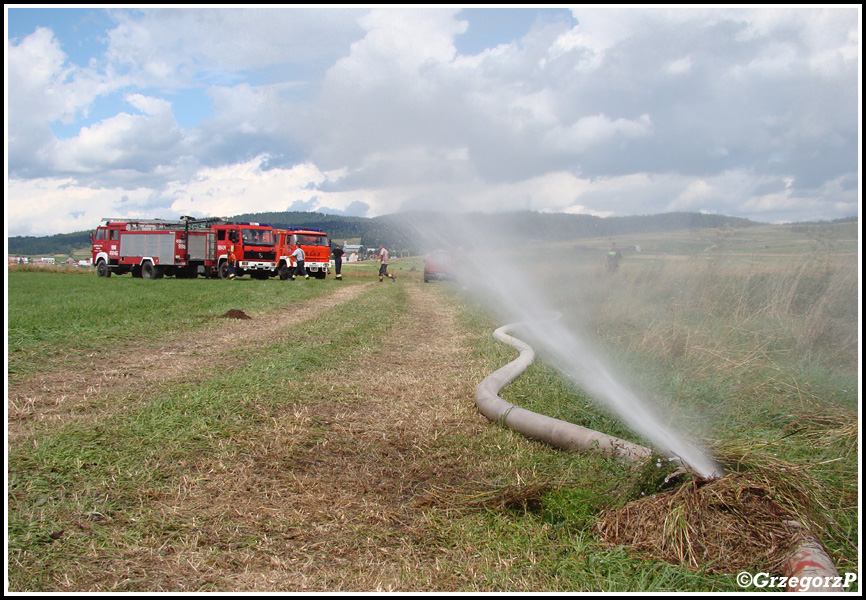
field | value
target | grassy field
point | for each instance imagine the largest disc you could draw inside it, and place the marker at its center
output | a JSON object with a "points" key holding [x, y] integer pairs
{"points": [[330, 441]]}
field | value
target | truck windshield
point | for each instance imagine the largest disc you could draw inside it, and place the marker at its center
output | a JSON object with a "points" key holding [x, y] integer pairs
{"points": [[258, 237], [306, 239]]}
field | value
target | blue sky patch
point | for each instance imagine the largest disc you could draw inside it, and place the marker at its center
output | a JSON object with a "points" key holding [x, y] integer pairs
{"points": [[490, 27], [80, 31]]}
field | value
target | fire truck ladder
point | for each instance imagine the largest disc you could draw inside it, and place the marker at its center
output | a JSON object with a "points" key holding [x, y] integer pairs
{"points": [[186, 223]]}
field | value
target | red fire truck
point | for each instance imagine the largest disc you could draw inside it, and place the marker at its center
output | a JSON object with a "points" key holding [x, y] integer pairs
{"points": [[254, 245], [316, 247], [186, 248]]}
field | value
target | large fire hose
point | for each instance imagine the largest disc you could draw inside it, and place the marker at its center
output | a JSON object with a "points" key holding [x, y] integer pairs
{"points": [[540, 427], [809, 563]]}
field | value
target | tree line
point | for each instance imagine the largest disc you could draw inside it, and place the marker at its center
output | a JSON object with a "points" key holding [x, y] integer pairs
{"points": [[396, 232]]}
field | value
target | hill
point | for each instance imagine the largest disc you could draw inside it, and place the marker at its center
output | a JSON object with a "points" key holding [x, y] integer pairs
{"points": [[395, 231], [49, 245]]}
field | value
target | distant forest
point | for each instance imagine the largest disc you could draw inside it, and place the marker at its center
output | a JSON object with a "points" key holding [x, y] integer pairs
{"points": [[393, 231]]}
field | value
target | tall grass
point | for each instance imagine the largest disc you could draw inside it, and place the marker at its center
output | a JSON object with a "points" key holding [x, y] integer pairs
{"points": [[799, 313], [754, 352], [792, 327]]}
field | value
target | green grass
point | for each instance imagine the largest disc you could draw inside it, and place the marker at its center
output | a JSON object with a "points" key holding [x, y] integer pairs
{"points": [[101, 473], [750, 338], [728, 343], [53, 313], [551, 544]]}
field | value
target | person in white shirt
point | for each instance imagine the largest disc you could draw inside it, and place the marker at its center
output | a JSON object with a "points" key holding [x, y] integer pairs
{"points": [[383, 268], [299, 256]]}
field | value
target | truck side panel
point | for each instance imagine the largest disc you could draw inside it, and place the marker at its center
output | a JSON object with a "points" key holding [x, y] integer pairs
{"points": [[156, 245], [201, 246]]}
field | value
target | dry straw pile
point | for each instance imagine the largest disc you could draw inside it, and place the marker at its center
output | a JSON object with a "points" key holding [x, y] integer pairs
{"points": [[723, 525], [751, 517]]}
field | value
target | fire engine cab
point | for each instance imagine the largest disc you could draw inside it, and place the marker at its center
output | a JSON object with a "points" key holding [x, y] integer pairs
{"points": [[254, 246], [316, 247]]}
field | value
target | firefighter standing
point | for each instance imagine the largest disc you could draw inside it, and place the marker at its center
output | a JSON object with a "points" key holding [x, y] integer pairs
{"points": [[338, 261], [299, 257], [612, 258], [233, 263]]}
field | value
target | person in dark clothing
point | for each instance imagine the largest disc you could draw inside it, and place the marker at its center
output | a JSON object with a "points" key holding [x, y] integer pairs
{"points": [[612, 258], [338, 261]]}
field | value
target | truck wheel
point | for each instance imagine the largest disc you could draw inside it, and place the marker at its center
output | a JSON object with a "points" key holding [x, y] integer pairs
{"points": [[150, 271], [102, 269], [285, 272], [223, 270]]}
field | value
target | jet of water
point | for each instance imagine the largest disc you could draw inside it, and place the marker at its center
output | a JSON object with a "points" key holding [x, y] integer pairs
{"points": [[494, 275]]}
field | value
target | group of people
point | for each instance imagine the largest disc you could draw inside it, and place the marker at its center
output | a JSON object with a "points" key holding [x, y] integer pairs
{"points": [[612, 259], [300, 256]]}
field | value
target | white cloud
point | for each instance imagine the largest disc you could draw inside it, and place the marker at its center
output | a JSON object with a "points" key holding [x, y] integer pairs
{"points": [[174, 47], [679, 66], [401, 39], [128, 142], [695, 196], [49, 206], [248, 109], [150, 106], [43, 88], [632, 111], [593, 130], [45, 85], [247, 187]]}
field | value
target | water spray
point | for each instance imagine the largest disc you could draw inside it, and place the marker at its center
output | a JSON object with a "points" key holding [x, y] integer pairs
{"points": [[540, 427], [809, 566], [494, 277], [497, 268], [568, 435], [580, 364]]}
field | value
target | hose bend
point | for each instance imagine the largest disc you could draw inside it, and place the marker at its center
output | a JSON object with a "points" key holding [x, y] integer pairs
{"points": [[540, 427], [809, 560]]}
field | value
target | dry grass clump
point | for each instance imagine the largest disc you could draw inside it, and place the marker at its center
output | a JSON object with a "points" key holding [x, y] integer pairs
{"points": [[751, 517], [526, 497], [836, 431], [723, 525]]}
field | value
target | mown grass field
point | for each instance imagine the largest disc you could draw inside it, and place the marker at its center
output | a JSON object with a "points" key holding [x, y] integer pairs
{"points": [[153, 446]]}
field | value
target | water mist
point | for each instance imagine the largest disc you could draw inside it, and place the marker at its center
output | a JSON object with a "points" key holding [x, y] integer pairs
{"points": [[490, 270]]}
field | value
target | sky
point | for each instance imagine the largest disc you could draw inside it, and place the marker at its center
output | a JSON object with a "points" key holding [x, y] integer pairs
{"points": [[371, 110]]}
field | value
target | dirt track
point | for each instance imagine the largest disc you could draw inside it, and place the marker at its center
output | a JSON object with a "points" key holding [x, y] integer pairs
{"points": [[85, 385], [323, 499]]}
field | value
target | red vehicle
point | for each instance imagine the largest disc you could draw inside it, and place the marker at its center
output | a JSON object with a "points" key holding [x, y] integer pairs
{"points": [[254, 245], [153, 248], [316, 247], [439, 265]]}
